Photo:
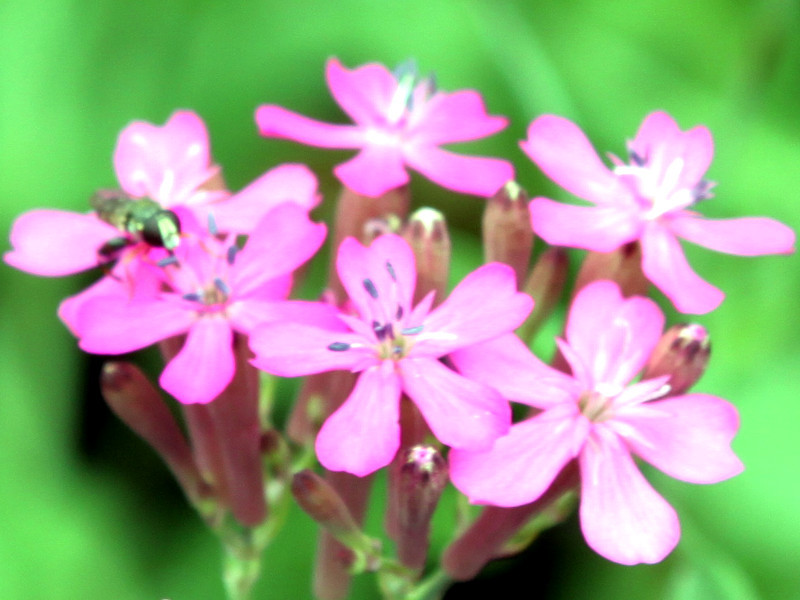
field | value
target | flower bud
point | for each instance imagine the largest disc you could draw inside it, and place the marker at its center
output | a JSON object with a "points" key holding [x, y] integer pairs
{"points": [[320, 500], [623, 265], [417, 478], [507, 231], [426, 233], [353, 211], [139, 405], [545, 285], [682, 353]]}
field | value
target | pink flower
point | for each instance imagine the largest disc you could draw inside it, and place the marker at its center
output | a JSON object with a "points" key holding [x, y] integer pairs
{"points": [[208, 291], [396, 350], [650, 200], [166, 165], [595, 415], [401, 120]]}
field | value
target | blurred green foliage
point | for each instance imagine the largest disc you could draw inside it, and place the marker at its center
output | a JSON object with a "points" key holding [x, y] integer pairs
{"points": [[87, 511]]}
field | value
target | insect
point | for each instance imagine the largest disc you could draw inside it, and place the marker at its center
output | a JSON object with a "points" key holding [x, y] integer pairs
{"points": [[143, 219]]}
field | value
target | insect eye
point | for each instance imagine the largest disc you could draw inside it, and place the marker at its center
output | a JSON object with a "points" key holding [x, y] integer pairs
{"points": [[161, 229]]}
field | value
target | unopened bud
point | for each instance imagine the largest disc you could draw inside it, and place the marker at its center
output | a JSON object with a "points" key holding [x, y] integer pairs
{"points": [[422, 476], [507, 231], [321, 502], [682, 353], [377, 227], [545, 285], [623, 265], [426, 233], [417, 478], [139, 405], [352, 213]]}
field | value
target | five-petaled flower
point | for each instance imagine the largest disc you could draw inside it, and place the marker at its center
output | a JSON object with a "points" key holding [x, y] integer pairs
{"points": [[401, 120], [208, 290], [396, 349], [595, 415], [650, 200], [169, 166]]}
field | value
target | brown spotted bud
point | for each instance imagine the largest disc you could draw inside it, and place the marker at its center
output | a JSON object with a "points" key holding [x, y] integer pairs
{"points": [[507, 231], [682, 353], [426, 233]]}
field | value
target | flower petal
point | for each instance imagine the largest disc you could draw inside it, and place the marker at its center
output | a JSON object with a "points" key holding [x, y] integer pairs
{"points": [[521, 465], [660, 142], [484, 305], [111, 325], [461, 413], [374, 171], [506, 364], [275, 121], [476, 175], [747, 236], [602, 229], [566, 156], [688, 437], [70, 307], [294, 349], [245, 315], [163, 162], [612, 335], [57, 242], [204, 366], [622, 517], [285, 183], [389, 265], [664, 264], [364, 93], [282, 240], [456, 117], [364, 433]]}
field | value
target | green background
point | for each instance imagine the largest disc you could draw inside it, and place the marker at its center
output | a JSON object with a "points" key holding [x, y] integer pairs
{"points": [[87, 511]]}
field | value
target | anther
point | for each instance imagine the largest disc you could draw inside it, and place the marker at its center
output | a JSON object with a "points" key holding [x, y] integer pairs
{"points": [[370, 287], [212, 224], [339, 346], [222, 286], [231, 254], [390, 269], [412, 330], [192, 297], [167, 260], [399, 314], [382, 331], [636, 158]]}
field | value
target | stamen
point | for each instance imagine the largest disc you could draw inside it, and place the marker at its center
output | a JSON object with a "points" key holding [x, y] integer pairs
{"points": [[636, 158], [232, 252], [212, 224], [370, 287], [406, 76], [390, 269], [222, 286], [192, 297], [412, 330], [167, 260], [339, 346], [382, 331]]}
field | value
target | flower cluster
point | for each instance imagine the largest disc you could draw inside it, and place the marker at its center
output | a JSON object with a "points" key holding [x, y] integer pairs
{"points": [[402, 371]]}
